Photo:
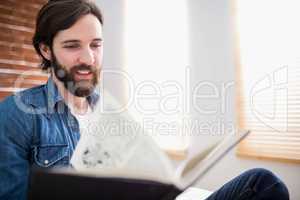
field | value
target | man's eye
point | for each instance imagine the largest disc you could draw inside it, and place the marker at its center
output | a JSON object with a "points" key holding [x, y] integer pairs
{"points": [[71, 46], [96, 45]]}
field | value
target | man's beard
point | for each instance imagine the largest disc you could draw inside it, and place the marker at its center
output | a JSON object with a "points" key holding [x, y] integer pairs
{"points": [[81, 88]]}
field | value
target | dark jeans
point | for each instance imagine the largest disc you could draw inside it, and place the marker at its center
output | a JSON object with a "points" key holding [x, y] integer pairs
{"points": [[255, 184]]}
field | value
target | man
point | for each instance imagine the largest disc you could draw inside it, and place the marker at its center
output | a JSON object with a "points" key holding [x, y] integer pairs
{"points": [[39, 126]]}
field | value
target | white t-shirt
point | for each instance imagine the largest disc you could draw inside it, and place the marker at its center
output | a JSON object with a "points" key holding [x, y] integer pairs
{"points": [[84, 120]]}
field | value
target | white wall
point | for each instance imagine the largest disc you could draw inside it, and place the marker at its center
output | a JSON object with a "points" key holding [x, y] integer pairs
{"points": [[212, 60], [114, 51]]}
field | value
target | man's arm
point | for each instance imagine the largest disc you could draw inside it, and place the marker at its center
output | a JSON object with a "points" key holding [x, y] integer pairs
{"points": [[15, 137]]}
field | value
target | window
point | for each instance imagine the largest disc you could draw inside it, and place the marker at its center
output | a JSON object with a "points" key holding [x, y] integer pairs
{"points": [[268, 78], [156, 47]]}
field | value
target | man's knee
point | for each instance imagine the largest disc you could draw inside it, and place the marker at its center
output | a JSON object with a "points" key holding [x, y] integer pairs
{"points": [[266, 183], [261, 172]]}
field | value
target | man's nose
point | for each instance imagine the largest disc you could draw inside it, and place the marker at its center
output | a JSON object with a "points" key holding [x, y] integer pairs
{"points": [[87, 57]]}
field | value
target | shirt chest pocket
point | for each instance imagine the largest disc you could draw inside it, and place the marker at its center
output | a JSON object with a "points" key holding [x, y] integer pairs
{"points": [[51, 155]]}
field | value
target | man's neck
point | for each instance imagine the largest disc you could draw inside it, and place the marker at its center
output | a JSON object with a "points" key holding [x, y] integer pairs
{"points": [[78, 104]]}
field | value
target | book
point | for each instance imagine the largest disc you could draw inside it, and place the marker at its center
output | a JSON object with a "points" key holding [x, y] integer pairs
{"points": [[127, 153], [193, 193], [66, 184], [139, 157]]}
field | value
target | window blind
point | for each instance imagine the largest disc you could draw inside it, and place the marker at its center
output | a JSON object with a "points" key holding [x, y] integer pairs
{"points": [[19, 63], [268, 79]]}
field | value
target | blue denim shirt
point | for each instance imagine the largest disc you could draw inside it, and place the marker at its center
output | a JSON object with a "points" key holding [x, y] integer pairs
{"points": [[36, 129]]}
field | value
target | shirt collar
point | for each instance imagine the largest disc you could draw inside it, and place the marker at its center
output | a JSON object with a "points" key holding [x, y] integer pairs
{"points": [[52, 93]]}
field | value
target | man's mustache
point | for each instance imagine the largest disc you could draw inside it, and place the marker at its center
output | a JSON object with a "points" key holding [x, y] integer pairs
{"points": [[83, 67]]}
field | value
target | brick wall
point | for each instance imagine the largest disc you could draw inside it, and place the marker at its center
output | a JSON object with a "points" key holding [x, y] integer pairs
{"points": [[19, 63]]}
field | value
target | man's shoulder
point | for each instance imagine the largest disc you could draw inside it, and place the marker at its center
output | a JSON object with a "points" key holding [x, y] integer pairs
{"points": [[17, 116], [33, 95], [27, 97]]}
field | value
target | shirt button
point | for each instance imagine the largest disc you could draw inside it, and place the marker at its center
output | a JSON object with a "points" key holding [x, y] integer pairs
{"points": [[46, 162]]}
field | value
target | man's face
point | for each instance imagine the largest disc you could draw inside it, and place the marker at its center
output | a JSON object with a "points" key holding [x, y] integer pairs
{"points": [[77, 55]]}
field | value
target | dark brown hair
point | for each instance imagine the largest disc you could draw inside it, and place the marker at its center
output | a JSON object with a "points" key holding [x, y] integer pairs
{"points": [[56, 16]]}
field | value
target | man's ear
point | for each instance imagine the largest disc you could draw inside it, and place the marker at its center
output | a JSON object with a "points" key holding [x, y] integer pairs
{"points": [[45, 50]]}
